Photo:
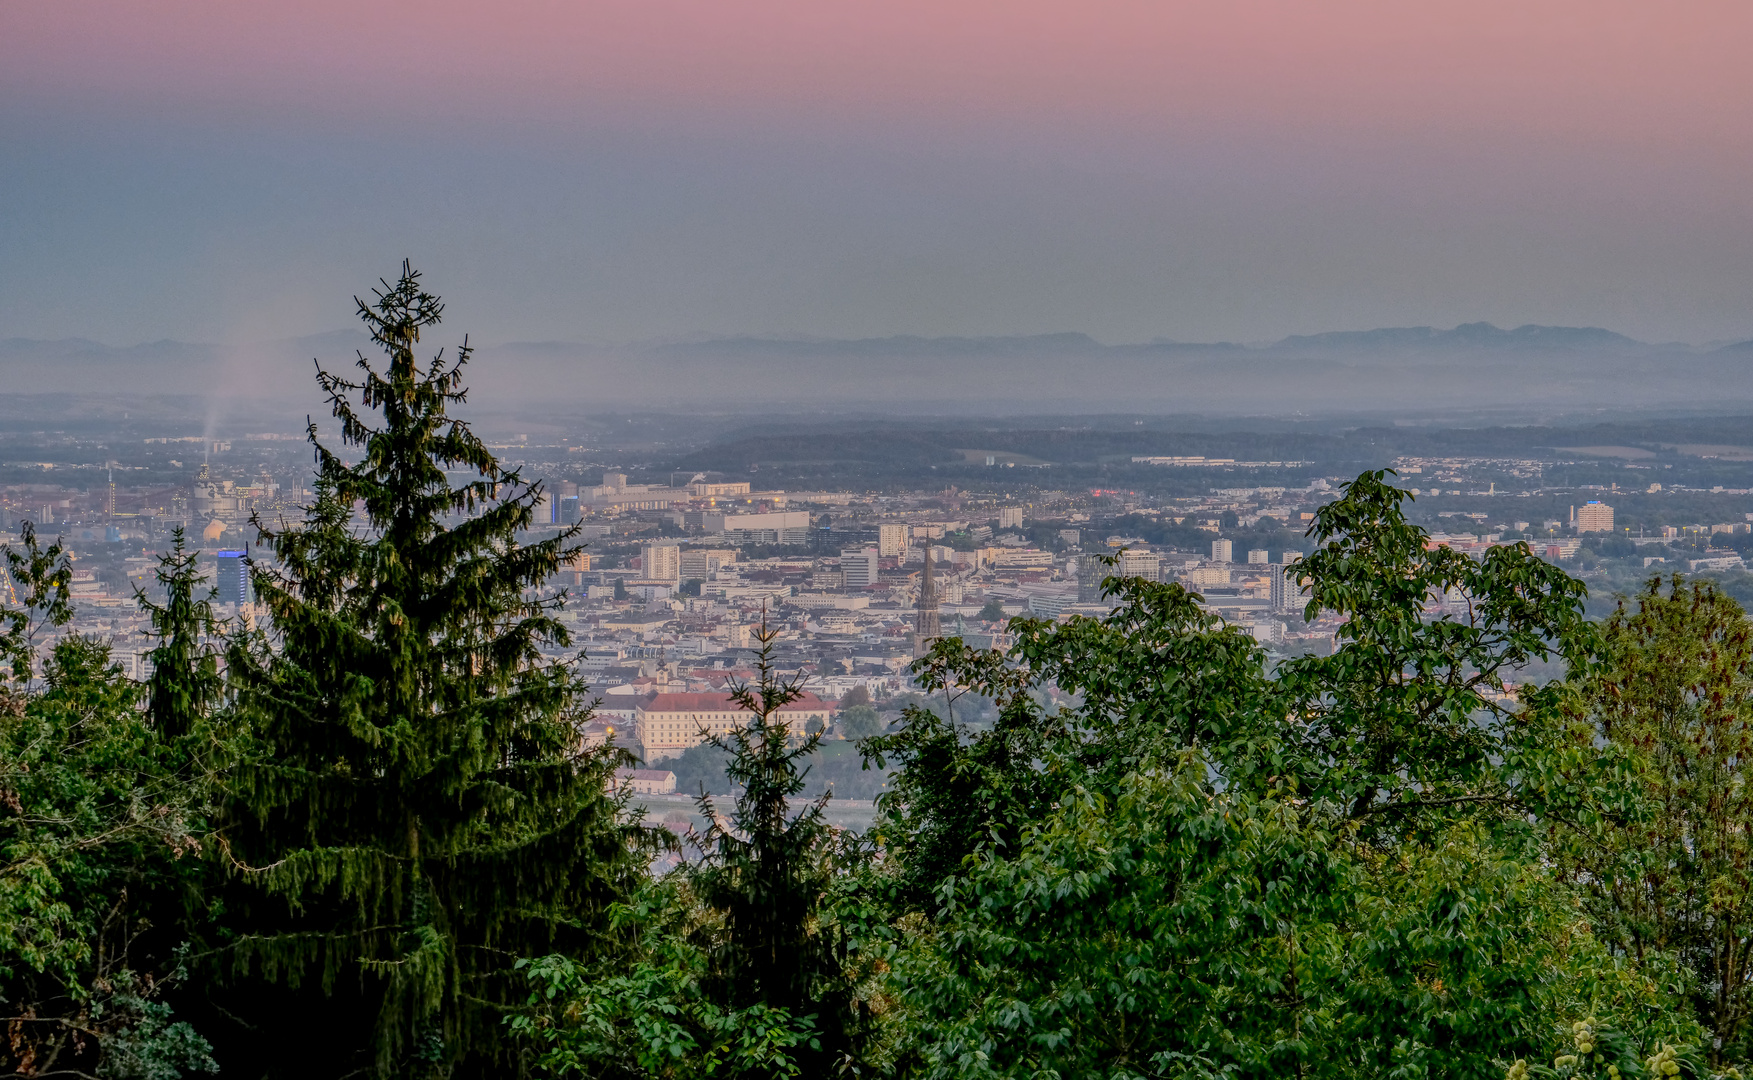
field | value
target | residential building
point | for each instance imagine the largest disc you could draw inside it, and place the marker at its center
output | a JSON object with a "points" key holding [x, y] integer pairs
{"points": [[1202, 577], [892, 540], [1285, 593], [1594, 517], [646, 781], [1220, 551], [1259, 558], [660, 562], [1010, 517]]}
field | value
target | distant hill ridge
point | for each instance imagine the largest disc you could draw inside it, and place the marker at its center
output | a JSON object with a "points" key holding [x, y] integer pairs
{"points": [[1419, 369], [1475, 335]]}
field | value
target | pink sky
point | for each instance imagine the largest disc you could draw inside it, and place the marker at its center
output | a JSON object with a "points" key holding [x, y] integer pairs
{"points": [[1594, 69], [1231, 169]]}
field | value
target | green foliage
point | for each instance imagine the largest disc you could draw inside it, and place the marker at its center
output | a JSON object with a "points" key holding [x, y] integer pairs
{"points": [[860, 722], [765, 875], [1200, 866], [1677, 691], [743, 967], [992, 612], [415, 812], [39, 582], [185, 684], [1406, 716], [1184, 930], [652, 1017], [100, 823]]}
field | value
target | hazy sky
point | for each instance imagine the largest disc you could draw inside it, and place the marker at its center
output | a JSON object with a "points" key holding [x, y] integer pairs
{"points": [[625, 169]]}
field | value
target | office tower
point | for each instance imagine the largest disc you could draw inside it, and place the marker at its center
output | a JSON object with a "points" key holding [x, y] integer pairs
{"points": [[234, 578], [1090, 573], [1144, 564], [858, 567]]}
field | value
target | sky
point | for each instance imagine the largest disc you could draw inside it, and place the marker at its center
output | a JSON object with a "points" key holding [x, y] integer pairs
{"points": [[628, 170]]}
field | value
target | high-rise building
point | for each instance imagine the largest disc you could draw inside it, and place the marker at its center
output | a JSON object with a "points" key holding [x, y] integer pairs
{"points": [[615, 481], [1144, 564], [858, 567], [892, 540], [1285, 594], [698, 565], [567, 512], [1259, 557], [1220, 551], [1090, 573], [660, 562], [1010, 517], [234, 578], [1594, 516]]}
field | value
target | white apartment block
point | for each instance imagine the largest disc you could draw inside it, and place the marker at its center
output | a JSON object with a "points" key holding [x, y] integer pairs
{"points": [[660, 562], [893, 540]]}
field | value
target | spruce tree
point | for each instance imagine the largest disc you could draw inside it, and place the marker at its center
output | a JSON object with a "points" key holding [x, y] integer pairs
{"points": [[768, 876], [418, 812], [185, 683]]}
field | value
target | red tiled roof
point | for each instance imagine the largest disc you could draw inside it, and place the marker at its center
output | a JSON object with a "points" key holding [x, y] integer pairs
{"points": [[717, 703]]}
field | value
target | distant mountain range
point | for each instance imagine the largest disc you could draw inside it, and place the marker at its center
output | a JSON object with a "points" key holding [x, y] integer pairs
{"points": [[1476, 365]]}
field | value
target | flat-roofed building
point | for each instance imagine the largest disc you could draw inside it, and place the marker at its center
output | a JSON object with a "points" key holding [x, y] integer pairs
{"points": [[1144, 564], [660, 562], [858, 568], [703, 565], [1594, 517], [713, 491], [781, 527], [892, 540]]}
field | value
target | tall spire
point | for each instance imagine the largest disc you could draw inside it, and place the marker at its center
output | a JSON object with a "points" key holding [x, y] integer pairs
{"points": [[926, 627]]}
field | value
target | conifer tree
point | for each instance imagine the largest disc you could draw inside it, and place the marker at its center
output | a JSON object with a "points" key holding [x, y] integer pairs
{"points": [[185, 682], [767, 873], [418, 813]]}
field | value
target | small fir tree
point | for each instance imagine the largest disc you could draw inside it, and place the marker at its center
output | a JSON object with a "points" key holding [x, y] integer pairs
{"points": [[767, 874], [185, 683], [418, 812]]}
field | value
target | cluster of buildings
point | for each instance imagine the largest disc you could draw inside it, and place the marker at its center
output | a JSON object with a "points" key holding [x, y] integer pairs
{"points": [[680, 582]]}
